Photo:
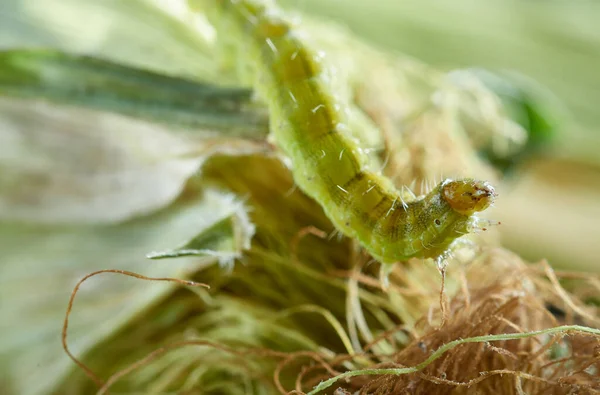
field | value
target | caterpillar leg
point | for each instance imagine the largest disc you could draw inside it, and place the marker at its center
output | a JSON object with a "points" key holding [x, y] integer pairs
{"points": [[384, 275]]}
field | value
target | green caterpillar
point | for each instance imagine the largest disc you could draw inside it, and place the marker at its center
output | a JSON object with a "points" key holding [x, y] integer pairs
{"points": [[308, 124]]}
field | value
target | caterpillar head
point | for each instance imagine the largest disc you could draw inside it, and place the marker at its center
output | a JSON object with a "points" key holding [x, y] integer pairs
{"points": [[467, 196]]}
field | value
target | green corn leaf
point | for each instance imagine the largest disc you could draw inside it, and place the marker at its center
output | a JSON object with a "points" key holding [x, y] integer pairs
{"points": [[225, 239], [60, 164], [103, 85]]}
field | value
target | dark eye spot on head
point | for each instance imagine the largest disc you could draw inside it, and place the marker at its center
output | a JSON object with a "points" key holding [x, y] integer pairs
{"points": [[437, 222]]}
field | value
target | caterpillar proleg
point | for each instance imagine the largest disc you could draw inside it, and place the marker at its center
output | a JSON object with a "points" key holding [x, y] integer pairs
{"points": [[308, 123]]}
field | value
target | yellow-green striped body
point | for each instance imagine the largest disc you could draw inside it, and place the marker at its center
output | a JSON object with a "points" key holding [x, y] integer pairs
{"points": [[308, 125]]}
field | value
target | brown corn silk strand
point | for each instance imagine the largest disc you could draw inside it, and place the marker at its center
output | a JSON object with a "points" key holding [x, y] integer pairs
{"points": [[105, 385], [99, 382], [309, 125]]}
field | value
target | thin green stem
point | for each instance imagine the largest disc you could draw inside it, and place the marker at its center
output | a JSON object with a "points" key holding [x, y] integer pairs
{"points": [[448, 346]]}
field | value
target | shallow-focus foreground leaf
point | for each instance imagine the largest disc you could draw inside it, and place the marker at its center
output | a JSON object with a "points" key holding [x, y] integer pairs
{"points": [[41, 265], [62, 164], [104, 85], [69, 165]]}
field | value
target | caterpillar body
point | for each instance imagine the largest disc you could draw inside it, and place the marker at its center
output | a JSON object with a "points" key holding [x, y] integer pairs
{"points": [[308, 125]]}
